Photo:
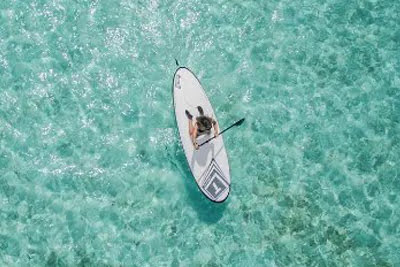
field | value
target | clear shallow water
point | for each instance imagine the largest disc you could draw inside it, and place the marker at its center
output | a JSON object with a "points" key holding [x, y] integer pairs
{"points": [[91, 170]]}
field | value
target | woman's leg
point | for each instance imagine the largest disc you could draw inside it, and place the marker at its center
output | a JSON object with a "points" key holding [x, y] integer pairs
{"points": [[190, 117], [201, 111], [191, 127]]}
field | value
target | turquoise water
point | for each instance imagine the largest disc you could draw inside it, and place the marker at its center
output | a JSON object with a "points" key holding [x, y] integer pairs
{"points": [[91, 169]]}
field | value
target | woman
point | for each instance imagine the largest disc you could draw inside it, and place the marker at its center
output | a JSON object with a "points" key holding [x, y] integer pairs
{"points": [[202, 126]]}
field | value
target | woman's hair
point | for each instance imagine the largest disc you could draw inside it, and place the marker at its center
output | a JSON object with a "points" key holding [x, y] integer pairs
{"points": [[204, 123]]}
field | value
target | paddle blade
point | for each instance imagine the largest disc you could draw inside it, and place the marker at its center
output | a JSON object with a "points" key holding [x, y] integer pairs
{"points": [[239, 122]]}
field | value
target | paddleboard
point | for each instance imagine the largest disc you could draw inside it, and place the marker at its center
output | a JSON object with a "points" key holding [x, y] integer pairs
{"points": [[209, 164]]}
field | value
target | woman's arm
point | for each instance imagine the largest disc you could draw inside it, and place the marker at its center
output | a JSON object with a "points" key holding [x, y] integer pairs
{"points": [[216, 128]]}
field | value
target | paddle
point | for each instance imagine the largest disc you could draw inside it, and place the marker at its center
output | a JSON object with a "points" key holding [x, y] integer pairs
{"points": [[238, 123]]}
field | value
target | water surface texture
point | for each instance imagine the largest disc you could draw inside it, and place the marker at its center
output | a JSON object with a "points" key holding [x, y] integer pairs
{"points": [[91, 169]]}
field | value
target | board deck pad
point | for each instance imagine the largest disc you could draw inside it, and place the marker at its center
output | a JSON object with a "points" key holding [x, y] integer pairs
{"points": [[209, 164], [214, 182]]}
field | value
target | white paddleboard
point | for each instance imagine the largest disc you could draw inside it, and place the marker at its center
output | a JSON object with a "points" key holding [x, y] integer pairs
{"points": [[209, 164]]}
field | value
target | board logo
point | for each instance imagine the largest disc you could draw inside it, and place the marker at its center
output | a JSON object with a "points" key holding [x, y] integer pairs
{"points": [[214, 181], [178, 82]]}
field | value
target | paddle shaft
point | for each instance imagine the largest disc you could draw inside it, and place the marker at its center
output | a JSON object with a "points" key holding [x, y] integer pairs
{"points": [[235, 124]]}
